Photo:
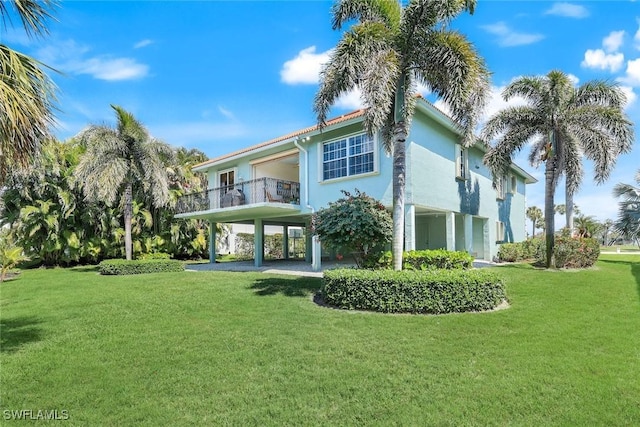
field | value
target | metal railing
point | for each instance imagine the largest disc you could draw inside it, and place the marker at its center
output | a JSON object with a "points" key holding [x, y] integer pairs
{"points": [[261, 190]]}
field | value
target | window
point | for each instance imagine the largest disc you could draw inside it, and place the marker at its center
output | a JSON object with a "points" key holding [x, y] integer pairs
{"points": [[347, 157], [513, 188], [500, 187], [499, 231], [226, 179], [461, 162]]}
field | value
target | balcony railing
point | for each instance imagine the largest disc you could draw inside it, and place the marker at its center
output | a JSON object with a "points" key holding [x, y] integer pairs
{"points": [[259, 190]]}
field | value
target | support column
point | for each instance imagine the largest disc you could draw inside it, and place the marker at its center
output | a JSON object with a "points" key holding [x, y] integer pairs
{"points": [[212, 242], [486, 234], [316, 263], [409, 227], [468, 233], [258, 242], [450, 218], [308, 254], [285, 241]]}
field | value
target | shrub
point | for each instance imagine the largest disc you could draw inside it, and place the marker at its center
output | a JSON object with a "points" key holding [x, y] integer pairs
{"points": [[575, 252], [139, 266], [355, 223], [154, 255], [435, 291], [427, 260], [511, 252]]}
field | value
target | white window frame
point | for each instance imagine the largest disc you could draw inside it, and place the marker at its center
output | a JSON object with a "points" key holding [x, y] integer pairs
{"points": [[235, 177], [347, 137], [500, 230], [501, 183], [462, 162]]}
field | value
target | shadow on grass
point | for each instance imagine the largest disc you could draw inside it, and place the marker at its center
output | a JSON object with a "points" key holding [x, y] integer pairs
{"points": [[18, 332], [290, 287], [84, 269]]}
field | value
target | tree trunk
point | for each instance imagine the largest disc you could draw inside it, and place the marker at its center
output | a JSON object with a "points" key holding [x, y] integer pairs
{"points": [[128, 214], [399, 175], [568, 203], [549, 212]]}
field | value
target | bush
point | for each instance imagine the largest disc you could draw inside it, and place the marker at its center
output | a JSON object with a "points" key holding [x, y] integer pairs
{"points": [[575, 252], [154, 255], [138, 266], [427, 260], [529, 249], [435, 292], [356, 223]]}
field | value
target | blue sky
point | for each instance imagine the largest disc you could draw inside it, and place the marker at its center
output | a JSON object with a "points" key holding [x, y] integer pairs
{"points": [[219, 76]]}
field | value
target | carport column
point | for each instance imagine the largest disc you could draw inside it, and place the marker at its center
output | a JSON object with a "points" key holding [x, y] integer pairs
{"points": [[212, 242], [316, 254], [308, 237], [450, 218], [468, 233], [486, 234], [285, 241], [258, 242], [409, 227]]}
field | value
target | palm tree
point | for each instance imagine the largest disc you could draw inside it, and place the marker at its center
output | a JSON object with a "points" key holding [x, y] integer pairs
{"points": [[587, 226], [27, 94], [628, 222], [536, 217], [386, 53], [118, 158], [564, 123]]}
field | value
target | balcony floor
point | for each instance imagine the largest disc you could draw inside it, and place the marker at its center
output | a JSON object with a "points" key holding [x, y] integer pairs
{"points": [[245, 212]]}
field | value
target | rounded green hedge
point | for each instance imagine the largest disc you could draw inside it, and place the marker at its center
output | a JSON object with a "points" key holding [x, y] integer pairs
{"points": [[434, 292], [139, 266]]}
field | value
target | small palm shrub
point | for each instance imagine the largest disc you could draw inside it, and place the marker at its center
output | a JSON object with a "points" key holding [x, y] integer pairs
{"points": [[434, 291]]}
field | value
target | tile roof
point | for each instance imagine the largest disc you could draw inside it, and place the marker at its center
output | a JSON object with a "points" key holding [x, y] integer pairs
{"points": [[335, 120]]}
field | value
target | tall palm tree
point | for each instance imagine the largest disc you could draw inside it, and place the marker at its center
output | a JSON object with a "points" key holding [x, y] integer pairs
{"points": [[536, 217], [564, 123], [27, 94], [628, 222], [385, 54], [118, 158]]}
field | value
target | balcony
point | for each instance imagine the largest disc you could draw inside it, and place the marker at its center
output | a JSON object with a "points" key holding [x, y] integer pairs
{"points": [[271, 193]]}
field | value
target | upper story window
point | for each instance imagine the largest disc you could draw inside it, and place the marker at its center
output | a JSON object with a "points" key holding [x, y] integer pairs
{"points": [[347, 157], [500, 187], [462, 171], [513, 187]]}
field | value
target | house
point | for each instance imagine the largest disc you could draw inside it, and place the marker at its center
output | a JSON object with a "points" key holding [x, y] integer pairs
{"points": [[450, 200]]}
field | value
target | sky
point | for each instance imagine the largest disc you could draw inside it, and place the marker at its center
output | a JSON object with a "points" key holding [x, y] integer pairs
{"points": [[222, 75]]}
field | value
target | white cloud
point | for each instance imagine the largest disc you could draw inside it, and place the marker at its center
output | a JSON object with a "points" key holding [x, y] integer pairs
{"points": [[350, 101], [305, 67], [70, 57], [110, 69], [568, 10], [632, 76], [509, 37], [496, 103], [613, 41], [573, 79], [142, 43], [597, 58], [630, 94], [636, 38], [227, 113]]}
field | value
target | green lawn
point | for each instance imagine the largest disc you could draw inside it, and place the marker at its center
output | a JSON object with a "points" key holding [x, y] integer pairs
{"points": [[214, 348]]}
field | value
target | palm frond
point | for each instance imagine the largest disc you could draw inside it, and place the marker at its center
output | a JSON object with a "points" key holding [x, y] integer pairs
{"points": [[33, 14], [387, 12]]}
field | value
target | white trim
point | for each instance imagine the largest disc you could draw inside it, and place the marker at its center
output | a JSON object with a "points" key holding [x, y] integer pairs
{"points": [[375, 152], [500, 231], [275, 156]]}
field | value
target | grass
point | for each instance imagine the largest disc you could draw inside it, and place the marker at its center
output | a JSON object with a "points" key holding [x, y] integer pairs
{"points": [[213, 348]]}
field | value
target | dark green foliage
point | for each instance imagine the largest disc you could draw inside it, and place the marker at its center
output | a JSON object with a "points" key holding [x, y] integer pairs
{"points": [[118, 267], [576, 252], [435, 292], [356, 223], [428, 260], [569, 252]]}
